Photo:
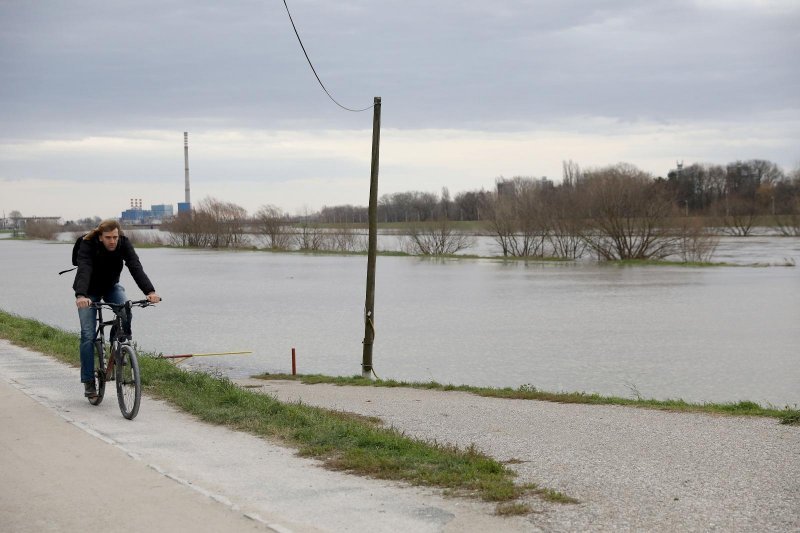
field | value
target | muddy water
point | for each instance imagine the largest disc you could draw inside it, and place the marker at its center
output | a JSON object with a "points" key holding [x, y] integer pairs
{"points": [[702, 334]]}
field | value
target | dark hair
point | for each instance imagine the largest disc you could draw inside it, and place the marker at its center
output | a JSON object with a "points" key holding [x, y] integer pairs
{"points": [[109, 224]]}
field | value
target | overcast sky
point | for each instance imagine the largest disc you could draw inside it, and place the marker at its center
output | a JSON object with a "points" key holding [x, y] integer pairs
{"points": [[95, 95]]}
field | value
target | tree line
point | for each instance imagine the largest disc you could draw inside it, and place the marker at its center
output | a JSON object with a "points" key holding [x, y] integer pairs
{"points": [[613, 212], [756, 186]]}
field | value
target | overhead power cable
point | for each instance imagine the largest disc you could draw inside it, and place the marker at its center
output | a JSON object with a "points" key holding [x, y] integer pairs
{"points": [[314, 70]]}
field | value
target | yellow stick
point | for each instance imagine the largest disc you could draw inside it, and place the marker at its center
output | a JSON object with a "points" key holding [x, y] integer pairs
{"points": [[220, 353], [187, 355]]}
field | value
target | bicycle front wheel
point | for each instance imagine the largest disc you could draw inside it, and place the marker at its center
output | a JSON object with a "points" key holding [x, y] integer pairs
{"points": [[129, 385]]}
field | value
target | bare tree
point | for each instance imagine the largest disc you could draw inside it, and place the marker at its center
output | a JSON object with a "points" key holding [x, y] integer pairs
{"points": [[191, 229], [739, 214], [516, 216], [564, 214], [498, 213], [468, 204], [529, 239], [409, 206], [228, 222], [788, 223], [346, 240], [212, 224], [787, 212], [436, 238], [41, 229], [628, 211], [571, 173], [445, 205], [309, 236], [271, 223], [697, 243]]}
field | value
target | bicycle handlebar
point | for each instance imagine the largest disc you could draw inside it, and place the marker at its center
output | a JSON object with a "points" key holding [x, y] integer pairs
{"points": [[137, 303]]}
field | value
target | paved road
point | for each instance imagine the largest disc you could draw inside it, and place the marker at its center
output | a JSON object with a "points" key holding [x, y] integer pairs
{"points": [[180, 474], [49, 482]]}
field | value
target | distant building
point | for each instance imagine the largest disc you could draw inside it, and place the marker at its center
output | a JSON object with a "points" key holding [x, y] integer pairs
{"points": [[135, 216], [514, 186], [161, 211], [155, 215], [506, 188], [184, 207]]}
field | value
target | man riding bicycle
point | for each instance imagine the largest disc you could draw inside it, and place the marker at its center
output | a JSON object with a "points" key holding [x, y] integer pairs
{"points": [[100, 257]]}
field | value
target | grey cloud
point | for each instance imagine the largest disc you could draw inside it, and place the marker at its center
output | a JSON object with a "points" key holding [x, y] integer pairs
{"points": [[92, 66]]}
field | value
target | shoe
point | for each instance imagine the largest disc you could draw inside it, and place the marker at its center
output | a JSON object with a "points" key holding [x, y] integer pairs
{"points": [[90, 391]]}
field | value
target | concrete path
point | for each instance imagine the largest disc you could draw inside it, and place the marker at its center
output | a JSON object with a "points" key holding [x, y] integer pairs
{"points": [[58, 476], [165, 471], [632, 469]]}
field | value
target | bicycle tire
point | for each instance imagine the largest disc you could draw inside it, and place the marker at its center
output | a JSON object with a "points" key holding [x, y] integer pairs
{"points": [[100, 373], [129, 385]]}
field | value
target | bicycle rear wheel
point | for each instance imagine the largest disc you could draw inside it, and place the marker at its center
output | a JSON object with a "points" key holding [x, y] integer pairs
{"points": [[129, 385], [99, 372]]}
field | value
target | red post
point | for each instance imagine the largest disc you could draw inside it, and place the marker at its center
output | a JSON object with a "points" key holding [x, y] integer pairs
{"points": [[294, 363]]}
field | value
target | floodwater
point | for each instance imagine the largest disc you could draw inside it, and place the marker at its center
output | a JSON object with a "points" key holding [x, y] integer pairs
{"points": [[701, 334]]}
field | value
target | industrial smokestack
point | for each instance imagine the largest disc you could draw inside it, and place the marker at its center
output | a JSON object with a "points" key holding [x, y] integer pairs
{"points": [[186, 163]]}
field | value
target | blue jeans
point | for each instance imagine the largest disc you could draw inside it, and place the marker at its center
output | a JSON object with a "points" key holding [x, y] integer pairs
{"points": [[88, 317]]}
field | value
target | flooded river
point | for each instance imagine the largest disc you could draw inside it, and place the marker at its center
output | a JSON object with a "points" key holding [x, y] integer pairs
{"points": [[701, 334]]}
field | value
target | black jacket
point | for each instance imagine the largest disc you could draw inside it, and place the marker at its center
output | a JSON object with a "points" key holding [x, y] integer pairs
{"points": [[99, 269]]}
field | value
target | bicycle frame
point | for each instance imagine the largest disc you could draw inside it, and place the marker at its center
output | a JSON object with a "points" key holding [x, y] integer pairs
{"points": [[99, 336]]}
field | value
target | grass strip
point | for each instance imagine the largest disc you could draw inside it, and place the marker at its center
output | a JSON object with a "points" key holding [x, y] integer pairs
{"points": [[787, 415], [341, 441]]}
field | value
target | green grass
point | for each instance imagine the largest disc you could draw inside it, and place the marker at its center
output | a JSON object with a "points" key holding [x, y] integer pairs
{"points": [[787, 415], [341, 441]]}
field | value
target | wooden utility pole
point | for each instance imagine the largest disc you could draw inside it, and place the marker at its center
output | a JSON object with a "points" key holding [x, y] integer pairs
{"points": [[369, 305]]}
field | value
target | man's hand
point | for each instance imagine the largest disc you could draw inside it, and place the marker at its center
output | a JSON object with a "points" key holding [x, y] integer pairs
{"points": [[82, 302], [153, 298]]}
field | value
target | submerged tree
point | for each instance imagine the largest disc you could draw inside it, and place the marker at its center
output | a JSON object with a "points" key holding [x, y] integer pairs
{"points": [[272, 224], [628, 212], [436, 238], [516, 215]]}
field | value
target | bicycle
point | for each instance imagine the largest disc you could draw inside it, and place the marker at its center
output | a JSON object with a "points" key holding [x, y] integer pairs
{"points": [[123, 362]]}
